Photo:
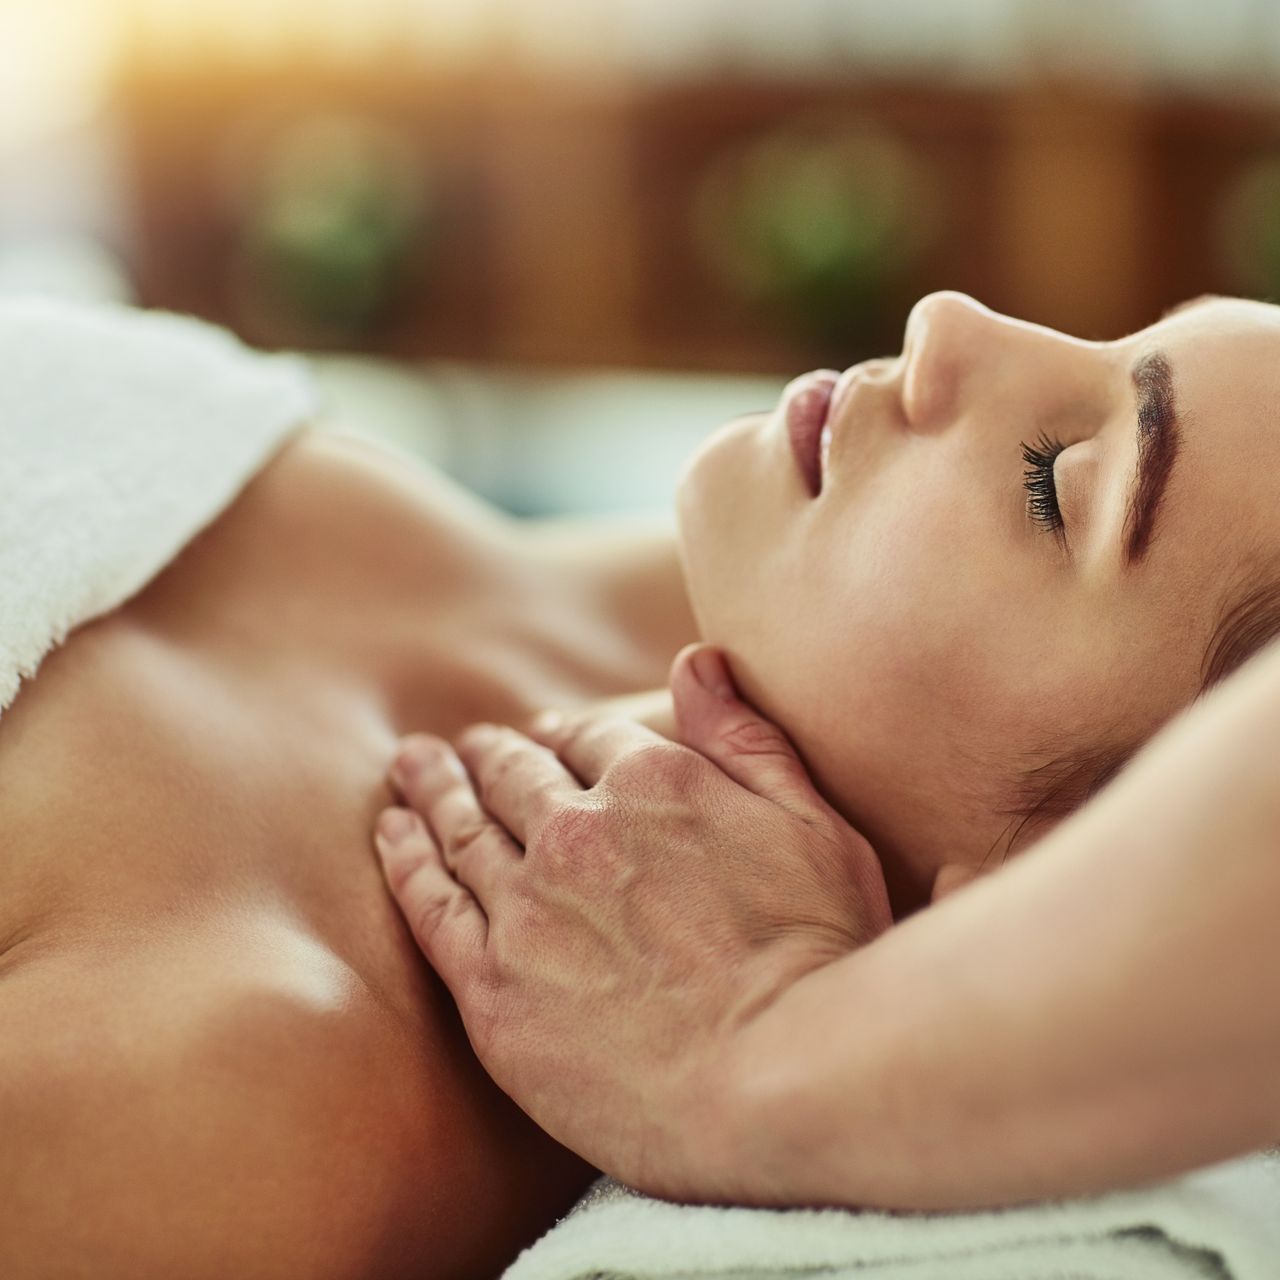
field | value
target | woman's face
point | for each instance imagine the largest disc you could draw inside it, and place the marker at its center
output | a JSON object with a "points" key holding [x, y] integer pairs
{"points": [[920, 625]]}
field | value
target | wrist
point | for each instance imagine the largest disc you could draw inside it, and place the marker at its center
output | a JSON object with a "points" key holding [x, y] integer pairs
{"points": [[818, 1091], [768, 1086], [693, 1147]]}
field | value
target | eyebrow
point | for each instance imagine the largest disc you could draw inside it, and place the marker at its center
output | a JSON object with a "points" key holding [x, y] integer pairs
{"points": [[1159, 440]]}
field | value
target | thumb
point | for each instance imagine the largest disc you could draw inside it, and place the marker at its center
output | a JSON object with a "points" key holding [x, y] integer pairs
{"points": [[712, 719]]}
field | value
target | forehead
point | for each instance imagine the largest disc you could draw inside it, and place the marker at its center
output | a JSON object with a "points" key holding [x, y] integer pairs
{"points": [[1224, 355], [1230, 329]]}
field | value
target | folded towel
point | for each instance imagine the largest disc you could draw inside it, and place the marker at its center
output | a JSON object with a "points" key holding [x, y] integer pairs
{"points": [[1222, 1222], [123, 433]]}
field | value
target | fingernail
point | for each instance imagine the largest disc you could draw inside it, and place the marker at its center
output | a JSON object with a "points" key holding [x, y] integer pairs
{"points": [[712, 674], [394, 825], [415, 755], [546, 723]]}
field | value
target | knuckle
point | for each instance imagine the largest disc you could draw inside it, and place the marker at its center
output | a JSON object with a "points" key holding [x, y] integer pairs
{"points": [[512, 938], [575, 839], [482, 1011], [848, 850], [569, 831], [434, 913], [461, 840], [509, 777], [664, 765], [489, 985], [542, 800]]}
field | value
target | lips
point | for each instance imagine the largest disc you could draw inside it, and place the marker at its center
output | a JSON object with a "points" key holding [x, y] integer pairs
{"points": [[806, 404]]}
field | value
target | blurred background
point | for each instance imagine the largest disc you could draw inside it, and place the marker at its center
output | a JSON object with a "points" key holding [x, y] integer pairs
{"points": [[549, 244]]}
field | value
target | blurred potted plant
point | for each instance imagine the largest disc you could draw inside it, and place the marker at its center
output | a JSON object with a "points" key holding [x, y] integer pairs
{"points": [[816, 224], [337, 218]]}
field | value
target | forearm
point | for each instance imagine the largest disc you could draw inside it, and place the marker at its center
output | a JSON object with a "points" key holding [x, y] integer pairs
{"points": [[1105, 1011]]}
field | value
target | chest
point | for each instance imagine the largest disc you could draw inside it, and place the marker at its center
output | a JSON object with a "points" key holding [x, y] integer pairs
{"points": [[187, 792], [223, 738]]}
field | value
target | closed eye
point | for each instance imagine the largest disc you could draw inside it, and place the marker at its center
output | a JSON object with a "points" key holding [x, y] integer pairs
{"points": [[1037, 479]]}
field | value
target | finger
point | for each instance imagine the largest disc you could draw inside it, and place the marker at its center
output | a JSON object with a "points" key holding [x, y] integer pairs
{"points": [[590, 744], [445, 919], [473, 847], [712, 719], [518, 781]]}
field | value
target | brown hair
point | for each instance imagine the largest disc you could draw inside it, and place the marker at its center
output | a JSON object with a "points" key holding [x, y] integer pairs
{"points": [[1048, 791]]}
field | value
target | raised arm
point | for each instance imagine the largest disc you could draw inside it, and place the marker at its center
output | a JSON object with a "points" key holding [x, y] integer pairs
{"points": [[1104, 1011], [686, 973]]}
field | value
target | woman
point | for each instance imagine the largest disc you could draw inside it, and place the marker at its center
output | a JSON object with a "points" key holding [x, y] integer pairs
{"points": [[231, 1057]]}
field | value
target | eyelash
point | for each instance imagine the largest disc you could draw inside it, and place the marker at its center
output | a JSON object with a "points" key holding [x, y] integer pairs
{"points": [[1037, 479]]}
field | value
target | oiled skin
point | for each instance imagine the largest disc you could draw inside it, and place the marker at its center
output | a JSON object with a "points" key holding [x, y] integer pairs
{"points": [[222, 1053]]}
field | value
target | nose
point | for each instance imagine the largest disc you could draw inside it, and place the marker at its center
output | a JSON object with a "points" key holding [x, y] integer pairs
{"points": [[948, 335], [960, 358]]}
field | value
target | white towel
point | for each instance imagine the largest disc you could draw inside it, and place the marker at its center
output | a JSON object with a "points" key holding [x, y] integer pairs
{"points": [[123, 433], [1221, 1223]]}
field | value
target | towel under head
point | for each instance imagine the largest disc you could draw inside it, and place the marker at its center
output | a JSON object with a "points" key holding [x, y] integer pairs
{"points": [[123, 433]]}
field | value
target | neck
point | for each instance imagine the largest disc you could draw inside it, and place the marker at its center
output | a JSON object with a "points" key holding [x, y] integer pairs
{"points": [[625, 576]]}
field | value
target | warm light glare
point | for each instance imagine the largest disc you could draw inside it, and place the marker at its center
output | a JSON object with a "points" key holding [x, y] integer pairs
{"points": [[343, 29], [56, 58]]}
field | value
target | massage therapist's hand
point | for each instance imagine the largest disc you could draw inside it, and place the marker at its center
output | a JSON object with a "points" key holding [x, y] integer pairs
{"points": [[612, 910]]}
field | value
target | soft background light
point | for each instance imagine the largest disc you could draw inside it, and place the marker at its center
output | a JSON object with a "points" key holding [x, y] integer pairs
{"points": [[551, 243], [57, 61]]}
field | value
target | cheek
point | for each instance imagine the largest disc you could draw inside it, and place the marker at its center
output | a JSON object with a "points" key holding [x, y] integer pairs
{"points": [[884, 647], [890, 630], [864, 605]]}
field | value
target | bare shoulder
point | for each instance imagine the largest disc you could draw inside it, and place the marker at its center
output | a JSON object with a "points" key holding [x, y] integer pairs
{"points": [[326, 465], [210, 1112], [162, 1127]]}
